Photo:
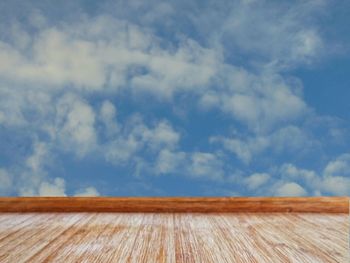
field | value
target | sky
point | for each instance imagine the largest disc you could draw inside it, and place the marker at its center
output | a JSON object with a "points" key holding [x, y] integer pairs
{"points": [[174, 98]]}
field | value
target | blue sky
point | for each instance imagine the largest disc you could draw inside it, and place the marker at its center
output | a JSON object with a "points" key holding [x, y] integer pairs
{"points": [[176, 98]]}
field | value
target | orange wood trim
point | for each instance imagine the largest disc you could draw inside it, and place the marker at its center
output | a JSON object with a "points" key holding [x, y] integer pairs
{"points": [[175, 204]]}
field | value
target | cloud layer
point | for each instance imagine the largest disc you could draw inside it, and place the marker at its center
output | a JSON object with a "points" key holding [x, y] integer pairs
{"points": [[207, 95]]}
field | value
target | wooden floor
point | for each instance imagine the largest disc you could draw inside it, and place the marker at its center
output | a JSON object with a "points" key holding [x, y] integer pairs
{"points": [[174, 237]]}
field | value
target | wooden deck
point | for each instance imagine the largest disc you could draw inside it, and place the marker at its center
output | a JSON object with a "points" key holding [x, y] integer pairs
{"points": [[167, 236]]}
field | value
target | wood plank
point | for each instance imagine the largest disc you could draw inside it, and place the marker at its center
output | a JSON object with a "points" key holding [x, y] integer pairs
{"points": [[175, 204], [174, 237]]}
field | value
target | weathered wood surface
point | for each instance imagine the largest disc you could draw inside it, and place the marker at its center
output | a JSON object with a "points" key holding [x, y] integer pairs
{"points": [[175, 204], [174, 237]]}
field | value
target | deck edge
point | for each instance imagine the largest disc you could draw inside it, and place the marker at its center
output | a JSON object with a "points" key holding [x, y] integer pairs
{"points": [[175, 204]]}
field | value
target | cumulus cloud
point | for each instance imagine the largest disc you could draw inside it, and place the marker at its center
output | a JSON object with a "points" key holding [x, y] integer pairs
{"points": [[108, 111], [190, 68], [333, 179], [162, 135], [161, 140], [336, 185], [289, 139], [290, 171], [136, 136], [169, 161], [121, 150], [256, 180], [203, 165], [244, 150], [88, 191], [75, 122], [274, 32], [290, 189], [32, 178], [33, 173], [35, 161], [58, 188], [107, 115], [339, 166], [54, 188], [260, 101], [206, 165], [16, 103], [98, 54], [336, 176]]}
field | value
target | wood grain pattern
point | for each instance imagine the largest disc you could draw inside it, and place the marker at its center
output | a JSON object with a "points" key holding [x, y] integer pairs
{"points": [[174, 237], [175, 204]]}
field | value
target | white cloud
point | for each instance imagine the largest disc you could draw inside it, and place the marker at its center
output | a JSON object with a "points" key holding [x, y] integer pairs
{"points": [[202, 165], [33, 172], [134, 136], [244, 150], [289, 139], [97, 55], [88, 191], [290, 189], [35, 161], [169, 162], [290, 171], [334, 179], [162, 136], [121, 150], [190, 68], [273, 31], [256, 180], [108, 111], [56, 188], [15, 103], [32, 178], [107, 115], [336, 176], [259, 101], [75, 124], [339, 166], [206, 165], [336, 185], [57, 60], [262, 40]]}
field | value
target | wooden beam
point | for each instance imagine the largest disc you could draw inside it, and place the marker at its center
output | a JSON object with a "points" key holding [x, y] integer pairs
{"points": [[175, 204]]}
